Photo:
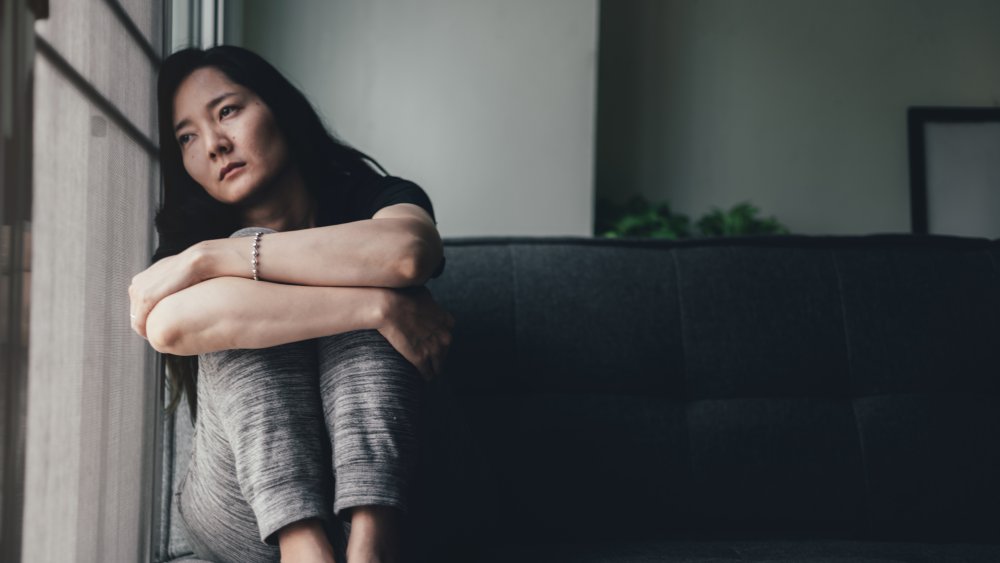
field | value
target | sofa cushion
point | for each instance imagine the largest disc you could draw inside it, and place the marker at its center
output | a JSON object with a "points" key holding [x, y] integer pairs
{"points": [[177, 435]]}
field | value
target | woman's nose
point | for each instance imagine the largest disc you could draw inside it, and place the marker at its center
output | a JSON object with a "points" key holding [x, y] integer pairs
{"points": [[220, 144]]}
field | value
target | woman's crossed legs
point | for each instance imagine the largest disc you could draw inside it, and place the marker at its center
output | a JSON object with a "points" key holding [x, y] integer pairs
{"points": [[321, 433]]}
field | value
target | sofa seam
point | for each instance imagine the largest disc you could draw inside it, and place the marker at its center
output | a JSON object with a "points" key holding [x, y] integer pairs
{"points": [[870, 517], [685, 399], [513, 304], [680, 321]]}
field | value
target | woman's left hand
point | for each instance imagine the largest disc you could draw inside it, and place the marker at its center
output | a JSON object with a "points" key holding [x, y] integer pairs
{"points": [[166, 277]]}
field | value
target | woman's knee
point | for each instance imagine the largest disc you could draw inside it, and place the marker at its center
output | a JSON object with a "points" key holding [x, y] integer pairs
{"points": [[364, 349], [366, 384], [282, 369]]}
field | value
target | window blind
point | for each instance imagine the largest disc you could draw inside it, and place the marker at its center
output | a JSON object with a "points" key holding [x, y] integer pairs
{"points": [[93, 384]]}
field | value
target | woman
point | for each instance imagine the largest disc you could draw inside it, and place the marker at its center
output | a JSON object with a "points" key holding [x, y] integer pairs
{"points": [[289, 279]]}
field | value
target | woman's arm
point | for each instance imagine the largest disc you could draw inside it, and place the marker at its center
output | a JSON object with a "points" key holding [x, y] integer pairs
{"points": [[237, 313], [398, 247]]}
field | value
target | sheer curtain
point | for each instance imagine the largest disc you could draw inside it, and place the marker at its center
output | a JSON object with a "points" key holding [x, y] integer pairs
{"points": [[93, 384]]}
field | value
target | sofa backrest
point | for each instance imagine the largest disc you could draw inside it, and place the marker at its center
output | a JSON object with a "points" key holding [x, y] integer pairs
{"points": [[744, 387], [792, 385]]}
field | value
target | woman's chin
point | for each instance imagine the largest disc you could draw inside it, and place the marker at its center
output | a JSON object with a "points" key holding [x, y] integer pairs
{"points": [[237, 194]]}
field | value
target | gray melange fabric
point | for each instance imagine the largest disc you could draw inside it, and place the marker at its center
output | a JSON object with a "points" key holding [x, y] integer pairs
{"points": [[301, 430]]}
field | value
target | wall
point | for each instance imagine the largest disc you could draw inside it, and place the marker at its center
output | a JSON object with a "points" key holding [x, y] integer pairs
{"points": [[488, 105], [796, 105]]}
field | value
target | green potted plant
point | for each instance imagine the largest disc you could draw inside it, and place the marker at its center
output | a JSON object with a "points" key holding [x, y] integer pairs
{"points": [[639, 218], [740, 220]]}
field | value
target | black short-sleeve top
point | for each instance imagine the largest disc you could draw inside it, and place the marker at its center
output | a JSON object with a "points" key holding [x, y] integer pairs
{"points": [[358, 200]]}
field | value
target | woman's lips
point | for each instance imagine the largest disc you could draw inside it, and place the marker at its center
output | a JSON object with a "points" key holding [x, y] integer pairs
{"points": [[233, 170]]}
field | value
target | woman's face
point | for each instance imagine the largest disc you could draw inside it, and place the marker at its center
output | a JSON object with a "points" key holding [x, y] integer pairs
{"points": [[217, 123]]}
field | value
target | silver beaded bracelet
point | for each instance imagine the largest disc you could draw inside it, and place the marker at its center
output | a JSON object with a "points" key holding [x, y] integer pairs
{"points": [[255, 248]]}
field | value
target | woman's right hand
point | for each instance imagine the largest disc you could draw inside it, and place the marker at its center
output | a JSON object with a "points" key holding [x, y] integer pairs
{"points": [[418, 328]]}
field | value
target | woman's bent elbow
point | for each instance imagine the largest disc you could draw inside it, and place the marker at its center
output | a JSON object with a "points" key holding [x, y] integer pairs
{"points": [[161, 336], [420, 262]]}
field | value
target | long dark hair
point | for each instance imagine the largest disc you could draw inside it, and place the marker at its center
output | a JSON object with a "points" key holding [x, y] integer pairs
{"points": [[188, 214]]}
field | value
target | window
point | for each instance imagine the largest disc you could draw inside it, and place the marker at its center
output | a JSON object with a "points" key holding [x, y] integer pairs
{"points": [[90, 432]]}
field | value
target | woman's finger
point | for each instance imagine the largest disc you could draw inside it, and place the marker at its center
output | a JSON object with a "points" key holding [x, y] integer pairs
{"points": [[137, 321], [436, 361], [440, 361], [141, 312], [420, 361]]}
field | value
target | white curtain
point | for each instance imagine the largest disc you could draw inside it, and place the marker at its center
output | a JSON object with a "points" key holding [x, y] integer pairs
{"points": [[93, 384]]}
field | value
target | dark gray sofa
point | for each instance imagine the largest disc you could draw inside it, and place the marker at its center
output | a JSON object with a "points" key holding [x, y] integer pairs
{"points": [[814, 399]]}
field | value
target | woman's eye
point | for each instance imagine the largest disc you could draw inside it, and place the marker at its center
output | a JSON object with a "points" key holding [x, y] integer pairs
{"points": [[183, 139], [224, 109]]}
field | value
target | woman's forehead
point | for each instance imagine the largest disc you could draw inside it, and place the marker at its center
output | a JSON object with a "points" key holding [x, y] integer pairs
{"points": [[199, 89]]}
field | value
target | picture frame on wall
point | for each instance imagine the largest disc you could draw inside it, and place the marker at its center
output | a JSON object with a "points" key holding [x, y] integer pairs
{"points": [[954, 156]]}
